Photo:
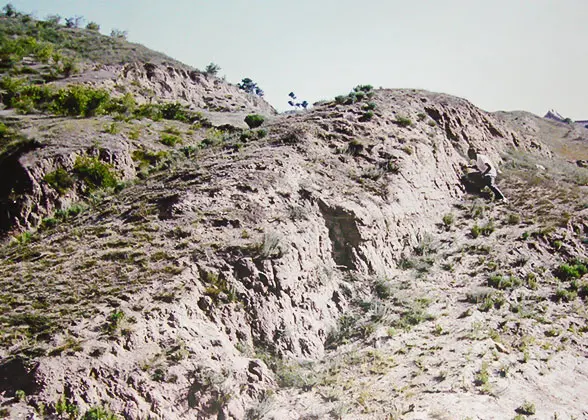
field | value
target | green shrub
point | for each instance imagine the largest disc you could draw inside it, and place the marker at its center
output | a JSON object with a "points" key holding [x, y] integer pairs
{"points": [[214, 137], [346, 329], [218, 285], [254, 120], [363, 88], [212, 69], [80, 100], [146, 158], [448, 219], [73, 211], [175, 111], [403, 121], [170, 139], [125, 105], [354, 147], [370, 106], [502, 283], [93, 26], [95, 173], [575, 270], [60, 180], [513, 219], [99, 413], [367, 116], [562, 295], [382, 289], [528, 409], [475, 231], [113, 321]]}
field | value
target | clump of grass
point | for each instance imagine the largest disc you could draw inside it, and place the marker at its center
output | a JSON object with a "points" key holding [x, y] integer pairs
{"points": [[113, 321], [219, 287], [574, 270], [448, 220], [503, 283], [94, 173], [354, 147], [370, 106], [483, 376], [99, 413], [382, 289], [170, 139], [345, 330], [147, 158], [562, 295], [60, 180], [475, 231], [513, 219], [272, 246], [527, 409], [403, 121], [111, 128], [485, 230], [367, 116], [414, 315], [493, 301]]}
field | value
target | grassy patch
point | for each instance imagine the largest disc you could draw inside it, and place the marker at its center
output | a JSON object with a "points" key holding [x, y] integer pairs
{"points": [[60, 180], [94, 173]]}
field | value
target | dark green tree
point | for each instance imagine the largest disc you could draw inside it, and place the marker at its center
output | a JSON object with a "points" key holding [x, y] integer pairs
{"points": [[250, 86], [212, 69]]}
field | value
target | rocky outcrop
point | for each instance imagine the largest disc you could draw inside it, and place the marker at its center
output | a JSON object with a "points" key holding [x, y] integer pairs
{"points": [[156, 83], [554, 115], [268, 245]]}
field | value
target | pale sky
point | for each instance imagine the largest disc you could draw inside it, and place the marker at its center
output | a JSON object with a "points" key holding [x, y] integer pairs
{"points": [[501, 55]]}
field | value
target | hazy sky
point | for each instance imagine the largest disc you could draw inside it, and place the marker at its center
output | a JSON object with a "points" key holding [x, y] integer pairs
{"points": [[500, 54]]}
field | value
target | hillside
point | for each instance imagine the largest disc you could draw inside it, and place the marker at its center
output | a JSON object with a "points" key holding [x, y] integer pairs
{"points": [[160, 259]]}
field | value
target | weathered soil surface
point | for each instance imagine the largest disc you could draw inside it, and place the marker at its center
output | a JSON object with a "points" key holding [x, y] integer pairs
{"points": [[327, 264], [335, 268]]}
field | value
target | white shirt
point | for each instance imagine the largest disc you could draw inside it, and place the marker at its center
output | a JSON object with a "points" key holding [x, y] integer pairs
{"points": [[482, 161]]}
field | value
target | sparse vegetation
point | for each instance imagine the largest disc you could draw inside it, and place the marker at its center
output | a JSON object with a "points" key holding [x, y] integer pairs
{"points": [[218, 288], [527, 409], [503, 282], [448, 220]]}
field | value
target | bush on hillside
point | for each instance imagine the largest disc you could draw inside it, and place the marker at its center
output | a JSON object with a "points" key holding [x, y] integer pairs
{"points": [[403, 121], [212, 69], [80, 100], [573, 270], [60, 180], [254, 120], [174, 111], [93, 26], [119, 34], [95, 173]]}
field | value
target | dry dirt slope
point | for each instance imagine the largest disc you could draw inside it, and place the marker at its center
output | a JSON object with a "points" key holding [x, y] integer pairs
{"points": [[332, 269]]}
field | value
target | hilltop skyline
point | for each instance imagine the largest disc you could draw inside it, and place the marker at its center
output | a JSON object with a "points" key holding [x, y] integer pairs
{"points": [[499, 56]]}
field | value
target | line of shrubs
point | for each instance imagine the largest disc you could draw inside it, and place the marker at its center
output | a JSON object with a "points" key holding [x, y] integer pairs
{"points": [[85, 101]]}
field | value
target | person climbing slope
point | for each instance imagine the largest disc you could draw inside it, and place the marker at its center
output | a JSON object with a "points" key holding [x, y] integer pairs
{"points": [[487, 170]]}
